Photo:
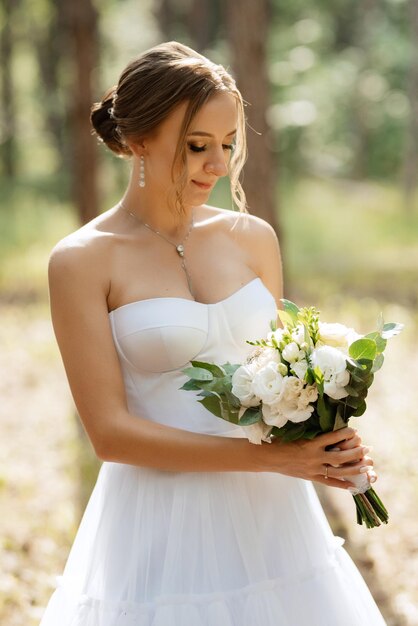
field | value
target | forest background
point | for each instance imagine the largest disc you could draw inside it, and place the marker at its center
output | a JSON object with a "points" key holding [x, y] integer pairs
{"points": [[332, 92]]}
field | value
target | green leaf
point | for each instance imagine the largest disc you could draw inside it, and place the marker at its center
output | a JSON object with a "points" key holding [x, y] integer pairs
{"points": [[213, 404], [251, 416], [380, 342], [230, 368], [326, 417], [285, 318], [319, 379], [190, 385], [211, 367], [291, 308], [273, 325], [378, 362], [391, 329], [198, 373], [361, 409], [363, 349], [220, 408]]}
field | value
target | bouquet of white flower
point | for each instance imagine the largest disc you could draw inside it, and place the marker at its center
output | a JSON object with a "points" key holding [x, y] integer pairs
{"points": [[304, 379]]}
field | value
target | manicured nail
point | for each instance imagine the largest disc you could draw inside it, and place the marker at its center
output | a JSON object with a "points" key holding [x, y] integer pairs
{"points": [[364, 469], [373, 479], [365, 450]]}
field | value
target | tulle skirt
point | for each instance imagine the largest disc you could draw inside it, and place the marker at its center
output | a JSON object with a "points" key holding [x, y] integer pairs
{"points": [[218, 549]]}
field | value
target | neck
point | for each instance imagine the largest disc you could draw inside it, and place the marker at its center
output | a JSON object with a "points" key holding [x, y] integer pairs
{"points": [[154, 210]]}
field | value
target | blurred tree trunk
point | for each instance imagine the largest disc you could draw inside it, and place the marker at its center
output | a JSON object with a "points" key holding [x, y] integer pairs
{"points": [[411, 151], [51, 44], [366, 19], [247, 29], [165, 14], [83, 31], [8, 111]]}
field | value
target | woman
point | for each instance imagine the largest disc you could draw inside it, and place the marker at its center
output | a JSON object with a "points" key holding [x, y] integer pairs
{"points": [[189, 524]]}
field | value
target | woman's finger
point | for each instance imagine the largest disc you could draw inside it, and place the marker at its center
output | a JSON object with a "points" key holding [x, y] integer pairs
{"points": [[335, 437], [335, 457], [350, 470]]}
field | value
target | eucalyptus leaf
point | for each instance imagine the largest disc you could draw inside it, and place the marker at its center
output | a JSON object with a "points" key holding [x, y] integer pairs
{"points": [[378, 339], [230, 368], [198, 373], [251, 416], [361, 409], [391, 329], [363, 349], [211, 367], [190, 385], [378, 362], [213, 404]]}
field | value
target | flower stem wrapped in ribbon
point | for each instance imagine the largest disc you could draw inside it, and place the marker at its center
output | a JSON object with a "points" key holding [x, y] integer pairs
{"points": [[304, 379]]}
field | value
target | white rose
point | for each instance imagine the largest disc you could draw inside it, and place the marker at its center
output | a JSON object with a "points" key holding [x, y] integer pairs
{"points": [[258, 432], [292, 352], [292, 388], [333, 365], [296, 414], [300, 368], [308, 394], [336, 335], [273, 414], [267, 383], [242, 380]]}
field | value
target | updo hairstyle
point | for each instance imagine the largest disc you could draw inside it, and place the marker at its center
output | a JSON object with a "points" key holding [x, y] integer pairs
{"points": [[150, 88]]}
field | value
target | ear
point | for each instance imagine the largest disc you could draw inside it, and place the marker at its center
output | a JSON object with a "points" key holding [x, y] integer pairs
{"points": [[138, 147]]}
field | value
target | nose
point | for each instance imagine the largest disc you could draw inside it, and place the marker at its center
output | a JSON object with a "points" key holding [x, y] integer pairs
{"points": [[217, 165]]}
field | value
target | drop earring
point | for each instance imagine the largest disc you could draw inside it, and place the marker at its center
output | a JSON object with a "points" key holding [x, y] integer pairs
{"points": [[141, 171]]}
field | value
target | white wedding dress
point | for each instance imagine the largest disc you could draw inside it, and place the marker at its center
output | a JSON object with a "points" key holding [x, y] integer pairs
{"points": [[157, 548]]}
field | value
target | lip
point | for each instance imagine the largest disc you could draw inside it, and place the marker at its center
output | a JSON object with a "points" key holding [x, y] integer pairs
{"points": [[205, 186]]}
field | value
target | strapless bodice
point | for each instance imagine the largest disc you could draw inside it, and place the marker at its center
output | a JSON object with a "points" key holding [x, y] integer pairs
{"points": [[157, 338]]}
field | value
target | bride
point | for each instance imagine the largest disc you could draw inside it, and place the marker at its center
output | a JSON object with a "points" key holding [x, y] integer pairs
{"points": [[189, 524]]}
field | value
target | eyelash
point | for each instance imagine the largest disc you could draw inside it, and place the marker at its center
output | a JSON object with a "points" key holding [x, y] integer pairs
{"points": [[194, 148]]}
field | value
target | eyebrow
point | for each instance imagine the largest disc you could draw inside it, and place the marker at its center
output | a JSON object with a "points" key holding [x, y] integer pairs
{"points": [[201, 133]]}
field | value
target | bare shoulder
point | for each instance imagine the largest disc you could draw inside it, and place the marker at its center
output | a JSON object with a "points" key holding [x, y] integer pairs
{"points": [[259, 241], [81, 255], [243, 225]]}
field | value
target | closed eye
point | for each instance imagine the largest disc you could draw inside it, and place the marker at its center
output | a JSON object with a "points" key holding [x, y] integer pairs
{"points": [[195, 148]]}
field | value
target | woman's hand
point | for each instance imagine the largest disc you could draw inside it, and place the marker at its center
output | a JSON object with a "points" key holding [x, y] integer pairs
{"points": [[329, 459]]}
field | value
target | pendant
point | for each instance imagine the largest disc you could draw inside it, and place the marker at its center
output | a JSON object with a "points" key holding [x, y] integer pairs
{"points": [[180, 249]]}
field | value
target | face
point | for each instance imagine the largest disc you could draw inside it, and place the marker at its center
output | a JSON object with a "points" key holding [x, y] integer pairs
{"points": [[209, 145]]}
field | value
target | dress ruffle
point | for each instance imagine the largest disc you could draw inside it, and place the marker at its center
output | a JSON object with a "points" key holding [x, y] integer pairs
{"points": [[199, 550], [278, 602]]}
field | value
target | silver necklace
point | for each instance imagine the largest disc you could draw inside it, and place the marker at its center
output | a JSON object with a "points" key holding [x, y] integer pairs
{"points": [[178, 247]]}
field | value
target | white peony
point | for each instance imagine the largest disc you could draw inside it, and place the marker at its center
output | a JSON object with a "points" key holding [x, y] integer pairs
{"points": [[336, 336], [242, 380], [333, 365], [267, 383]]}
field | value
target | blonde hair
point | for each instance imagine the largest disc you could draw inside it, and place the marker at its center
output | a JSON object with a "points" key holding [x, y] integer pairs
{"points": [[150, 88]]}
